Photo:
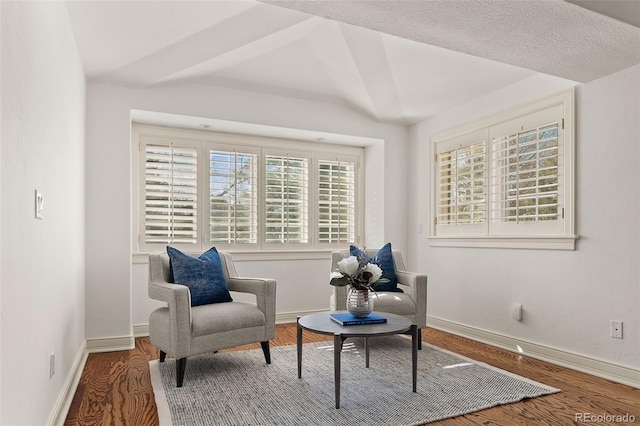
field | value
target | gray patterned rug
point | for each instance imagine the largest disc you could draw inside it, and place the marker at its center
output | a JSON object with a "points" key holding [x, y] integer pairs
{"points": [[239, 388]]}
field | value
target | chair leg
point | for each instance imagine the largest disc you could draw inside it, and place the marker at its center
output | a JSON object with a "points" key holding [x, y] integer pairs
{"points": [[163, 355], [267, 352], [181, 365]]}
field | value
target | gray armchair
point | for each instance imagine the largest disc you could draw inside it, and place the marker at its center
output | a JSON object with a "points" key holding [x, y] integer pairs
{"points": [[181, 330], [411, 304]]}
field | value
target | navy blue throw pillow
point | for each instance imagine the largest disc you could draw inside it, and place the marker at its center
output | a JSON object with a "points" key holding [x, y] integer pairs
{"points": [[384, 259], [204, 276]]}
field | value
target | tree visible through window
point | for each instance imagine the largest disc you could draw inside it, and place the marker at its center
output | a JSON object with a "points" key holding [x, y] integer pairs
{"points": [[233, 197], [526, 170]]}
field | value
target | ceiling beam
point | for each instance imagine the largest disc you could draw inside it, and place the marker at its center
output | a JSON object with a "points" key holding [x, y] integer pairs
{"points": [[231, 34]]}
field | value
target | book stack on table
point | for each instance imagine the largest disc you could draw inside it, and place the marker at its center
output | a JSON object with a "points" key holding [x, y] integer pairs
{"points": [[348, 319]]}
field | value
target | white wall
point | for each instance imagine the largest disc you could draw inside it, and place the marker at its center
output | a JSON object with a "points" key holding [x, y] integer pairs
{"points": [[569, 297], [117, 289], [42, 264]]}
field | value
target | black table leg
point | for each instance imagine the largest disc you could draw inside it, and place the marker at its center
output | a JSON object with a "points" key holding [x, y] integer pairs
{"points": [[337, 350], [414, 356], [299, 345], [366, 352]]}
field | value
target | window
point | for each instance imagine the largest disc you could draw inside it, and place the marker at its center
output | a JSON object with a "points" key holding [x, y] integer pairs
{"points": [[462, 185], [233, 197], [171, 199], [507, 181], [336, 201], [286, 199], [197, 189]]}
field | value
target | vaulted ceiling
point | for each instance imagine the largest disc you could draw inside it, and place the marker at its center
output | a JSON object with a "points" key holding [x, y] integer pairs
{"points": [[395, 61]]}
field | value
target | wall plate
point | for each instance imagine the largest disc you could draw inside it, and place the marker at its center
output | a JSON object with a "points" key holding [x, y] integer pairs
{"points": [[39, 204]]}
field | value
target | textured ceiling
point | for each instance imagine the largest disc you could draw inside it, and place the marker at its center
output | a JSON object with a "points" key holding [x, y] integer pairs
{"points": [[400, 62], [549, 36]]}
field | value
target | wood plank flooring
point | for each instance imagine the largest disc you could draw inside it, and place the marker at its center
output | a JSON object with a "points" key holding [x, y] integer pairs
{"points": [[115, 387]]}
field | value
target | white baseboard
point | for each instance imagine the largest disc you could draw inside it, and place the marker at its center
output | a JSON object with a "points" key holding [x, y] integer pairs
{"points": [[607, 370], [141, 330], [289, 317], [65, 398], [111, 344]]}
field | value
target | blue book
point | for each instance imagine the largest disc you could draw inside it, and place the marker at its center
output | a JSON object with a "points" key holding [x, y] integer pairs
{"points": [[348, 319]]}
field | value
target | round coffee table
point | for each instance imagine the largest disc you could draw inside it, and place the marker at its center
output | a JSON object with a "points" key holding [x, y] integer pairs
{"points": [[321, 323]]}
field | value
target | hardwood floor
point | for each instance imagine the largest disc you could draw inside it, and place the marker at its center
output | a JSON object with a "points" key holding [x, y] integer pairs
{"points": [[115, 387]]}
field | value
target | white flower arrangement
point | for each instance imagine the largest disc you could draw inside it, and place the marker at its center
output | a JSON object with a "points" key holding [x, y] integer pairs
{"points": [[361, 274]]}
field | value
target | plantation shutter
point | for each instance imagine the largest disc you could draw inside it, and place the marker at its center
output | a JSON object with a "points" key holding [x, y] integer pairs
{"points": [[525, 182], [507, 181], [170, 189], [336, 201], [461, 185], [233, 201], [286, 199]]}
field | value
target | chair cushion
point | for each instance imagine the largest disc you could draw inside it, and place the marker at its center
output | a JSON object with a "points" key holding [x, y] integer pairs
{"points": [[394, 302], [224, 317], [204, 276], [384, 259]]}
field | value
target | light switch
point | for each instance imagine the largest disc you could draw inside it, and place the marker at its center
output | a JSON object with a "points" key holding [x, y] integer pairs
{"points": [[39, 204]]}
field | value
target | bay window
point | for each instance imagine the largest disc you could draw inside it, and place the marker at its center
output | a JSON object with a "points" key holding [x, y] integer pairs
{"points": [[198, 189]]}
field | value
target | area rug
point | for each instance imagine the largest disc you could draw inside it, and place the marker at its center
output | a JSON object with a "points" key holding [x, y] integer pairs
{"points": [[239, 388]]}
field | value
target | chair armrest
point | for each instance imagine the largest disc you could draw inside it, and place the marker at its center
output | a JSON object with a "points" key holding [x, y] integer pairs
{"points": [[417, 284], [169, 292], [265, 292], [178, 297], [339, 298]]}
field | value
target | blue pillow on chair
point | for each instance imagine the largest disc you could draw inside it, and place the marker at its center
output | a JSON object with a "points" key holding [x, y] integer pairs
{"points": [[204, 276], [384, 259]]}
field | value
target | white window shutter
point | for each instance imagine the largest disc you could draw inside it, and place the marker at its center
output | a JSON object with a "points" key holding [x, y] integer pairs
{"points": [[233, 200], [527, 186], [525, 170], [286, 199], [462, 185], [170, 188], [336, 201]]}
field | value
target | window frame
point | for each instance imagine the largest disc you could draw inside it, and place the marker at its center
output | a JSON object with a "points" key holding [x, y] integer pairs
{"points": [[358, 196], [460, 141], [305, 205], [206, 141], [206, 171], [521, 235]]}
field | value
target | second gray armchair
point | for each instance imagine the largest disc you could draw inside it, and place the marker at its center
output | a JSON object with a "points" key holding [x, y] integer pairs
{"points": [[412, 303]]}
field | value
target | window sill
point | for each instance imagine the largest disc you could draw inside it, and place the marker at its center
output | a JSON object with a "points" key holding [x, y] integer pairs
{"points": [[247, 256], [521, 242]]}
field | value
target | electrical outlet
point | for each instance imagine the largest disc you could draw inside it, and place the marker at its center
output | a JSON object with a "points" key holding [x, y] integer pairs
{"points": [[52, 364], [616, 329]]}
